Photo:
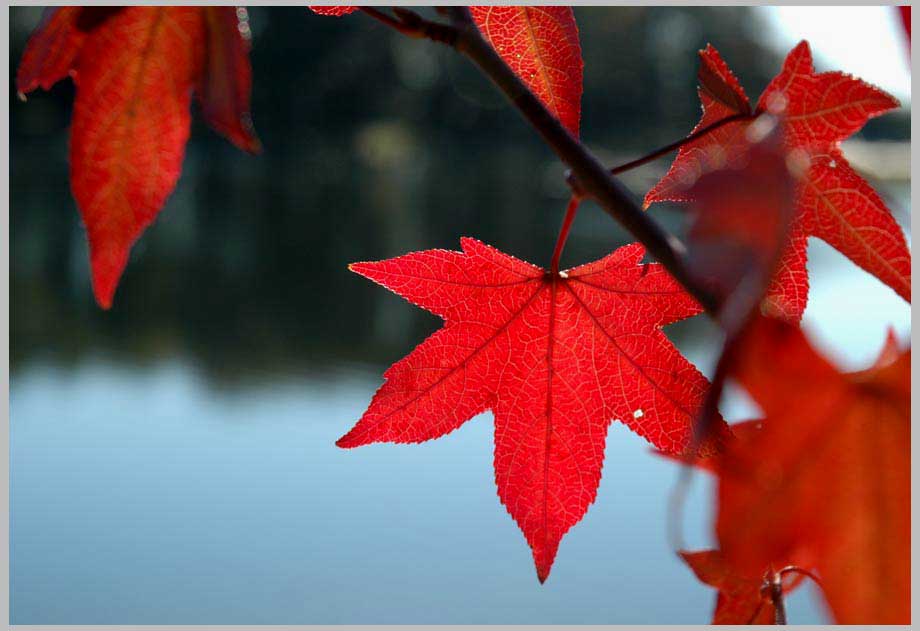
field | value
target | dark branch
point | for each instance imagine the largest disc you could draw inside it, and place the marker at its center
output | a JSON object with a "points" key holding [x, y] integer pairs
{"points": [[592, 178], [411, 24]]}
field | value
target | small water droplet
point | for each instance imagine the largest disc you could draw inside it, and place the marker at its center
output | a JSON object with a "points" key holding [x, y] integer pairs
{"points": [[833, 164], [563, 274], [638, 413]]}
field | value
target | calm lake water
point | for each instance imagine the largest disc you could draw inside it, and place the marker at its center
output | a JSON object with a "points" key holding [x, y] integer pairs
{"points": [[149, 495]]}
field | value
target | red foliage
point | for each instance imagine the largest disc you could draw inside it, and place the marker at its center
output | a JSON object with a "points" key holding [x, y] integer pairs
{"points": [[741, 599], [822, 481], [828, 476], [740, 223], [135, 69], [834, 203], [555, 357], [333, 11], [540, 44]]}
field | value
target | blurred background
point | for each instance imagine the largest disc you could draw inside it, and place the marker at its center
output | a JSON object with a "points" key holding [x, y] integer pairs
{"points": [[173, 459]]}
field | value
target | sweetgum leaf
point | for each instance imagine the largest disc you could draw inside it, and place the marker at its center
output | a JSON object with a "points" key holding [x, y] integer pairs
{"points": [[741, 598], [135, 69], [834, 203], [51, 52], [541, 46], [225, 86], [719, 85], [333, 11], [555, 357], [829, 474], [741, 221]]}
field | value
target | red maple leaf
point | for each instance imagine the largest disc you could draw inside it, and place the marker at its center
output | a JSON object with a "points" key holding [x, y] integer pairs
{"points": [[740, 599], [555, 357], [834, 203], [829, 474], [541, 46], [335, 11], [135, 69], [740, 224]]}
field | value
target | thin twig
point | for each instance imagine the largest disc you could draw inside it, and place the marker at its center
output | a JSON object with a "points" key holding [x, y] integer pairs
{"points": [[662, 151], [799, 570]]}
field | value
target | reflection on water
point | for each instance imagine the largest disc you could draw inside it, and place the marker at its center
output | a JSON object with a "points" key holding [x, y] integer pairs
{"points": [[146, 497]]}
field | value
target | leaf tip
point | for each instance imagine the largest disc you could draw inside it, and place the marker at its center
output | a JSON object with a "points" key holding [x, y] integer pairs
{"points": [[104, 285], [104, 299], [347, 441], [709, 50], [368, 269], [648, 201], [252, 145]]}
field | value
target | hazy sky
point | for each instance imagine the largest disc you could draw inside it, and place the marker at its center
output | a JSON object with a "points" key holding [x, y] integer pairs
{"points": [[867, 42]]}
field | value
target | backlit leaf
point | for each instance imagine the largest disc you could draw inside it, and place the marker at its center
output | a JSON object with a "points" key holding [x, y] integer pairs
{"points": [[541, 46], [834, 203], [555, 357]]}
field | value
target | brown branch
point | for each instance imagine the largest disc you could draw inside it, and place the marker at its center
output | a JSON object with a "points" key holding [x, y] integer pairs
{"points": [[590, 177], [411, 24], [657, 153]]}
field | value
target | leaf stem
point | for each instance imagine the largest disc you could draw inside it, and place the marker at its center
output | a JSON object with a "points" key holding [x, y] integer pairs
{"points": [[661, 151], [779, 605], [570, 212]]}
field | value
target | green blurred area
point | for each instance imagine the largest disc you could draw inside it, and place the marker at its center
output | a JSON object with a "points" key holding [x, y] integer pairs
{"points": [[375, 145]]}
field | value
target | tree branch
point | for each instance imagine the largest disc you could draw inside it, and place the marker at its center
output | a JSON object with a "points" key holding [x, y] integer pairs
{"points": [[592, 177], [589, 177]]}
